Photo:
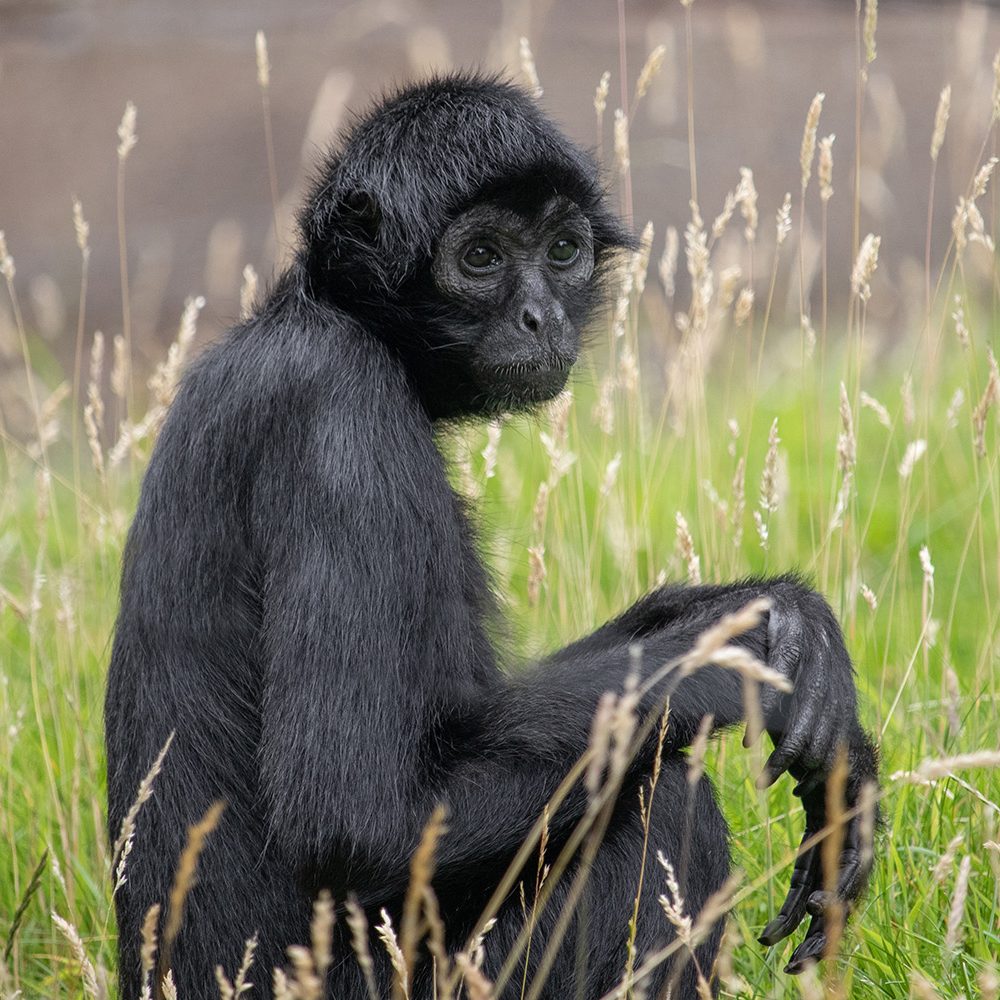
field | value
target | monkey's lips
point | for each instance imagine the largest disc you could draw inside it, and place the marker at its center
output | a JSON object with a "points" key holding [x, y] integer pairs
{"points": [[528, 381]]}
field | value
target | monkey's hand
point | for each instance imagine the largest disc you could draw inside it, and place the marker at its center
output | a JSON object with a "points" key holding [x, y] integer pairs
{"points": [[813, 728]]}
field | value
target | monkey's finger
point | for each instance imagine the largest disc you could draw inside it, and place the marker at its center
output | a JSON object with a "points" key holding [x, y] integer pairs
{"points": [[801, 886], [791, 747], [811, 949]]}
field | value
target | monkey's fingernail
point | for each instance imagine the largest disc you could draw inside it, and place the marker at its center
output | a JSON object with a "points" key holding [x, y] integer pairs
{"points": [[773, 932]]}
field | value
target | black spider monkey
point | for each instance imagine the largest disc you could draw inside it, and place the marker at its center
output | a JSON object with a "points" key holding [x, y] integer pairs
{"points": [[302, 603]]}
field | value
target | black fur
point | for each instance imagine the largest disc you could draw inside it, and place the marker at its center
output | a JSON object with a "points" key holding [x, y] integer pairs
{"points": [[303, 605]]}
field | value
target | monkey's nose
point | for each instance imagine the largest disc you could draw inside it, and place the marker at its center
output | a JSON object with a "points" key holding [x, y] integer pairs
{"points": [[530, 322]]}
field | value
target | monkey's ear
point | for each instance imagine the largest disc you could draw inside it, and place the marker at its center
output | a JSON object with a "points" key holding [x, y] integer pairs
{"points": [[361, 212]]}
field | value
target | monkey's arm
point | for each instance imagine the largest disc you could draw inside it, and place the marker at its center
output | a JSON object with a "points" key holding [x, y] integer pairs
{"points": [[803, 641]]}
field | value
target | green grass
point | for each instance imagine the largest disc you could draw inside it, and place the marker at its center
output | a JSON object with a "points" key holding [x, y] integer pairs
{"points": [[928, 656]]}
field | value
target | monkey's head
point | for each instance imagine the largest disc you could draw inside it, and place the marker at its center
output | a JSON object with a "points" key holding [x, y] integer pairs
{"points": [[471, 234]]}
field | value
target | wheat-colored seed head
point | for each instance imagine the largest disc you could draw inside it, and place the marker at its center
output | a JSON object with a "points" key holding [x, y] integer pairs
{"points": [[263, 61], [871, 23], [825, 169], [808, 149], [248, 291], [529, 69], [622, 155], [784, 220], [87, 972], [953, 933], [940, 121], [126, 132], [996, 87], [915, 451], [685, 548], [6, 261], [864, 267], [82, 229]]}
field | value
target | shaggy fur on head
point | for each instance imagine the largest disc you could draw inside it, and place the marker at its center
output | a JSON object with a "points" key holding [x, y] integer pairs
{"points": [[420, 157]]}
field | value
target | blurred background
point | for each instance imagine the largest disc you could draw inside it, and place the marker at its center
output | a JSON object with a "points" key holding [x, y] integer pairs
{"points": [[198, 202]]}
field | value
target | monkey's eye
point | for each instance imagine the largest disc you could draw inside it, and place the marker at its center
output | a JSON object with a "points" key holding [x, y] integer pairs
{"points": [[482, 257], [563, 251]]}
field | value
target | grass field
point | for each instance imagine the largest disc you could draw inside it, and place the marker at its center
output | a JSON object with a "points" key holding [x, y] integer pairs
{"points": [[707, 439]]}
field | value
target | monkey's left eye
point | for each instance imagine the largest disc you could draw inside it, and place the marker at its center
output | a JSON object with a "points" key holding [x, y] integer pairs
{"points": [[482, 257], [563, 251]]}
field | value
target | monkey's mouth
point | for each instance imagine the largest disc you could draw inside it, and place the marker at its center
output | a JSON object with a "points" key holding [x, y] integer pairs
{"points": [[530, 369], [526, 382]]}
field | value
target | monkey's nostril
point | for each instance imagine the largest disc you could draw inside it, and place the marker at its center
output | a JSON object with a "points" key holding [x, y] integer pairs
{"points": [[529, 321]]}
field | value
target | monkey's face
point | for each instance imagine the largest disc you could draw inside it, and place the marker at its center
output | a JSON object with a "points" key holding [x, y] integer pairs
{"points": [[514, 288]]}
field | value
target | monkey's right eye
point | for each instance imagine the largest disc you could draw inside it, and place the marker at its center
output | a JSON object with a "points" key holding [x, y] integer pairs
{"points": [[482, 258]]}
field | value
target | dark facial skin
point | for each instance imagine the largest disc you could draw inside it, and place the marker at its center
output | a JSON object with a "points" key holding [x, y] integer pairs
{"points": [[516, 289]]}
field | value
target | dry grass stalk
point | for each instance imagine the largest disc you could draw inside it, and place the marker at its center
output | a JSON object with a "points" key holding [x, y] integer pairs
{"points": [[783, 220], [956, 403], [119, 367], [996, 87], [991, 396], [263, 61], [540, 510], [921, 989], [746, 196], [940, 122], [126, 132], [305, 984], [877, 408], [168, 986], [88, 974], [946, 862], [686, 551], [600, 743], [123, 843], [942, 767], [82, 229], [961, 330], [321, 933], [864, 267], [421, 873], [989, 983], [477, 986], [601, 96], [387, 936], [248, 291], [825, 169], [650, 70], [738, 506], [529, 69], [7, 268], [808, 149], [953, 700], [871, 22], [909, 404], [915, 451], [163, 383], [147, 950], [184, 878], [358, 924], [744, 305], [668, 263], [622, 155], [769, 494], [869, 597], [867, 807], [953, 934], [489, 453], [847, 445], [610, 474], [699, 746], [537, 572]]}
